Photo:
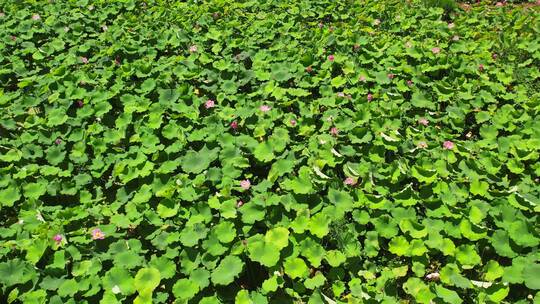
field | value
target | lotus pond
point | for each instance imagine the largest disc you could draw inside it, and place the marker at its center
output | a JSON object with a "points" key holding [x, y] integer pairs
{"points": [[276, 151]]}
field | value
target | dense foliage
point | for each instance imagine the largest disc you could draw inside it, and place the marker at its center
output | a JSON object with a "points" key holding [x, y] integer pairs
{"points": [[271, 151]]}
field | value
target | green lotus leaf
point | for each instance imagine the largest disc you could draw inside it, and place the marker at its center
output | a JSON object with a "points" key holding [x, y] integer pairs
{"points": [[335, 258], [467, 256], [530, 276], [196, 162], [225, 232], [260, 251], [419, 290], [448, 295], [9, 196], [184, 289], [296, 268], [451, 275], [15, 271], [120, 280], [399, 246], [278, 236], [146, 280], [228, 269]]}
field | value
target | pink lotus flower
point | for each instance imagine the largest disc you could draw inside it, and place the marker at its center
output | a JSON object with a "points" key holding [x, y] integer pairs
{"points": [[117, 61], [193, 49], [391, 76], [97, 234], [356, 47], [494, 56], [13, 38], [209, 104], [349, 181], [331, 58], [481, 67], [369, 97], [451, 25], [422, 145], [239, 204], [58, 239], [435, 50], [334, 131], [423, 121], [321, 25], [448, 145], [58, 141], [234, 125], [409, 83], [293, 122], [245, 184], [362, 78], [84, 60], [36, 17], [264, 108], [499, 4]]}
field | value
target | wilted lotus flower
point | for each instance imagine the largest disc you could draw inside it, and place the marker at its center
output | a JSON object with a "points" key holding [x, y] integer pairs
{"points": [[193, 49], [321, 25], [104, 27], [435, 50], [369, 97], [13, 38], [499, 4], [409, 82], [451, 25], [264, 108], [293, 122], [80, 103], [481, 67], [97, 234], [245, 184], [58, 141], [391, 76], [422, 145], [423, 121], [309, 69], [408, 44], [349, 181], [2, 14], [356, 47], [341, 94], [84, 60], [448, 145], [36, 17], [376, 22], [334, 131], [455, 38], [58, 239], [117, 61], [209, 104], [331, 58], [66, 29], [434, 276], [91, 8]]}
